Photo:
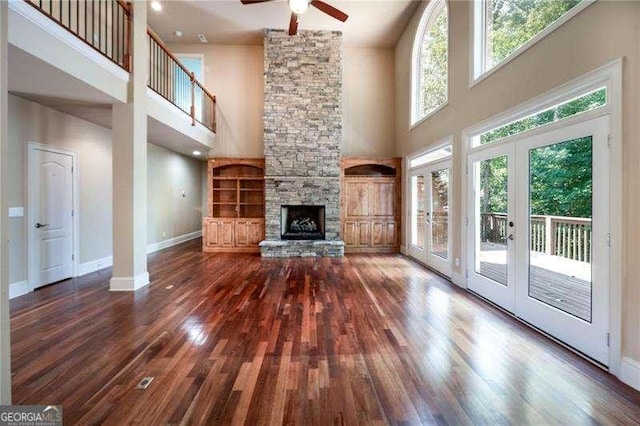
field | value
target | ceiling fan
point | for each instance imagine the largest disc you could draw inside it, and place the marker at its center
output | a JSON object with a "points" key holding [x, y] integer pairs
{"points": [[298, 7]]}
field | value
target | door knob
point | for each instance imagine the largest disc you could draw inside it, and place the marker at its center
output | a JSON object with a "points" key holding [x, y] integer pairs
{"points": [[41, 225]]}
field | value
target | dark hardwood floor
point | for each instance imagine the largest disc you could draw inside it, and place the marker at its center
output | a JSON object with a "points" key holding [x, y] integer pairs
{"points": [[368, 339]]}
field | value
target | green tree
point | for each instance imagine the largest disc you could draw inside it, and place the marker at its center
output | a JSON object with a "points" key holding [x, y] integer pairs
{"points": [[433, 64], [514, 22]]}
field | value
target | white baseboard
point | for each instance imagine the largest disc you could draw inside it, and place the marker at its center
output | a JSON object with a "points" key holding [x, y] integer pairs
{"points": [[630, 372], [129, 283], [458, 279], [152, 248], [105, 262], [95, 265], [18, 289]]}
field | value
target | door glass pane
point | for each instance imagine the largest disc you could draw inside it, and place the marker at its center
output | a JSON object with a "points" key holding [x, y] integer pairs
{"points": [[440, 213], [417, 211], [560, 205], [491, 250]]}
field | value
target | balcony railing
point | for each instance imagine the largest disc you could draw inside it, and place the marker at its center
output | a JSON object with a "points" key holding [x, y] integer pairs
{"points": [[173, 81], [105, 25], [568, 237]]}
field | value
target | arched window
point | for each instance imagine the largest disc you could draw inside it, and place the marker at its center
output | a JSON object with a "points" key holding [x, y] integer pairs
{"points": [[431, 61]]}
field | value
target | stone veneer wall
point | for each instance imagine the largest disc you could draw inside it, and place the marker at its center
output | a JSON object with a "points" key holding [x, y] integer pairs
{"points": [[302, 128]]}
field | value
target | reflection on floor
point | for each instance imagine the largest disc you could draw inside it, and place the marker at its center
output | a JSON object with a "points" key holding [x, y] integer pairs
{"points": [[559, 282]]}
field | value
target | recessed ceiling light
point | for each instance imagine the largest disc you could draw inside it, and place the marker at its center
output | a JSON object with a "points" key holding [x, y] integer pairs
{"points": [[178, 33], [155, 5], [196, 153]]}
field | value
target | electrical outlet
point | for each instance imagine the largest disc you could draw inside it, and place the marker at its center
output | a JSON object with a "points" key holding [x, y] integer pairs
{"points": [[457, 261], [164, 234]]}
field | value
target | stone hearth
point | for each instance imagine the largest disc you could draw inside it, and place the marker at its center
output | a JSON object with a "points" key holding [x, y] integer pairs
{"points": [[302, 136]]}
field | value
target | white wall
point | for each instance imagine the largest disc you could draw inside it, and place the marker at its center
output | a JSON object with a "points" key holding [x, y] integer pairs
{"points": [[169, 214], [234, 74], [369, 89], [598, 35]]}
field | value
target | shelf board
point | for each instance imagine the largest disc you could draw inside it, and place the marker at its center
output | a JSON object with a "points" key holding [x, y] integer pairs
{"points": [[224, 204], [225, 189], [252, 189], [252, 204]]}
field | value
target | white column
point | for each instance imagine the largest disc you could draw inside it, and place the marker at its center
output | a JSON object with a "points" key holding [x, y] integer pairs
{"points": [[130, 167], [5, 332]]}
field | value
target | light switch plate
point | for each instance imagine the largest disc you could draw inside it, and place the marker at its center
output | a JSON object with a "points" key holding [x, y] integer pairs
{"points": [[16, 211]]}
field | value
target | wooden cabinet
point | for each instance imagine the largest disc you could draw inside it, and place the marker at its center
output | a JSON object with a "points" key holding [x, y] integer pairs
{"points": [[248, 233], [235, 213], [218, 232], [371, 204], [357, 233]]}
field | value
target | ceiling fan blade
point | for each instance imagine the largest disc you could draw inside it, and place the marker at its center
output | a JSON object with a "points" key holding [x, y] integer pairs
{"points": [[330, 10], [253, 1], [293, 25]]}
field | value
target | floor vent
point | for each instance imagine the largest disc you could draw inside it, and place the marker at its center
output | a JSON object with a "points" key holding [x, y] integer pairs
{"points": [[144, 383]]}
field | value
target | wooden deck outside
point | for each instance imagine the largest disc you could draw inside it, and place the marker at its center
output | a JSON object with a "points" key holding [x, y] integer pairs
{"points": [[562, 283]]}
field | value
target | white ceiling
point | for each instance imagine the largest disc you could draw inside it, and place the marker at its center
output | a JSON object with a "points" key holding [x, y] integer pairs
{"points": [[376, 23]]}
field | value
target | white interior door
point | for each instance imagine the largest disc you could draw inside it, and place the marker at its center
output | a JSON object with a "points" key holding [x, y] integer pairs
{"points": [[51, 204], [538, 240], [429, 216]]}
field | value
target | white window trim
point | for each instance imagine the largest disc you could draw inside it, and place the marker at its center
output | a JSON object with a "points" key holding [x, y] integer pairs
{"points": [[197, 56], [609, 75], [442, 143], [601, 77], [429, 15], [478, 73]]}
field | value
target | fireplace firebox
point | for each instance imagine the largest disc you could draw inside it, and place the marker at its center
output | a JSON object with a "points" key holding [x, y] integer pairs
{"points": [[302, 222]]}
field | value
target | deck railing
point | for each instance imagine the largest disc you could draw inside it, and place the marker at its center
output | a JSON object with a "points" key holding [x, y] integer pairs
{"points": [[568, 237], [105, 25], [173, 81]]}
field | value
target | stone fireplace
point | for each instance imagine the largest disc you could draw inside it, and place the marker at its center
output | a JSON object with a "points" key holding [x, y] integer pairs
{"points": [[302, 139]]}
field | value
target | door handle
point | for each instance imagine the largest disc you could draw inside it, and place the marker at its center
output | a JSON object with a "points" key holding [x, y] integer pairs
{"points": [[510, 237], [41, 225]]}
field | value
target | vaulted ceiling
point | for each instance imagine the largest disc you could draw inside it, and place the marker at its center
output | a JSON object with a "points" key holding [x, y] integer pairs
{"points": [[377, 23]]}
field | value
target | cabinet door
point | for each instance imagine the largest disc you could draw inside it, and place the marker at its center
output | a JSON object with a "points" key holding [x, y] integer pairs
{"points": [[242, 233], [364, 234], [383, 198], [357, 198], [249, 232], [378, 234], [255, 232], [212, 233], [226, 231], [350, 233], [391, 235], [384, 234]]}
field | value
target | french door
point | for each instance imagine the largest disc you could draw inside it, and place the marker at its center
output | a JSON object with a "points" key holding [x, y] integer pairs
{"points": [[538, 232], [430, 224]]}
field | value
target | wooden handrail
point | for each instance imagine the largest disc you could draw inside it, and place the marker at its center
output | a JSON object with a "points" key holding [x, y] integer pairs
{"points": [[169, 78], [166, 50]]}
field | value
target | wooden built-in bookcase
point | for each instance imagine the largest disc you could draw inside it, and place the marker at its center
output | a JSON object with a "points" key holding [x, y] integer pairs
{"points": [[235, 216], [371, 204]]}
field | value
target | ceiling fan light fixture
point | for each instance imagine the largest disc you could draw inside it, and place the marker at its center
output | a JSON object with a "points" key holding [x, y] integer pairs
{"points": [[299, 6]]}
